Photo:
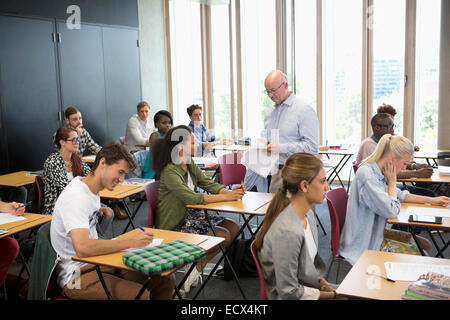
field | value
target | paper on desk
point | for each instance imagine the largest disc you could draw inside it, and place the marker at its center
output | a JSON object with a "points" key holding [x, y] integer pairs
{"points": [[444, 170], [155, 242], [260, 161], [401, 271], [430, 212], [6, 217]]}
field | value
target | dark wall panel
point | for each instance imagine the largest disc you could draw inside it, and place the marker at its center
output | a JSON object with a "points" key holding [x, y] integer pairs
{"points": [[82, 76], [29, 93], [122, 78], [112, 12]]}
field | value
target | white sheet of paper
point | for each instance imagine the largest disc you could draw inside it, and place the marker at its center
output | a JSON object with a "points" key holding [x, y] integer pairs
{"points": [[6, 217], [89, 157], [155, 242], [429, 212], [444, 170], [259, 161], [400, 271]]}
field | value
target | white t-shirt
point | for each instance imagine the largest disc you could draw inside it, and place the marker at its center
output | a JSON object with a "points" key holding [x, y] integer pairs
{"points": [[69, 176], [76, 208], [137, 132]]}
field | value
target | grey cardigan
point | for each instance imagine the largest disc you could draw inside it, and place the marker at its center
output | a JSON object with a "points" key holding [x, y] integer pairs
{"points": [[286, 264]]}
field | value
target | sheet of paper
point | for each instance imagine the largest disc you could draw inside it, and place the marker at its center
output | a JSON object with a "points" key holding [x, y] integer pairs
{"points": [[259, 161], [444, 170], [89, 157], [6, 217], [430, 212], [411, 272], [155, 242]]}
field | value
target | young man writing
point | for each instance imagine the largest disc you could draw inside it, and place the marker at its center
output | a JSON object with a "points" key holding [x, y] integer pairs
{"points": [[73, 233]]}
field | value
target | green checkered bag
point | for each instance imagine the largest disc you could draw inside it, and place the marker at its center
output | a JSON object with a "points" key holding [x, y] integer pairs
{"points": [[163, 257]]}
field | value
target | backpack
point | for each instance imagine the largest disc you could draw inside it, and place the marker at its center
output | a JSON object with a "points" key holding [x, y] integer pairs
{"points": [[241, 259]]}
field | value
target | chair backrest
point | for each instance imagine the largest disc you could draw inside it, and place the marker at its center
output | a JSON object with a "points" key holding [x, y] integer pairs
{"points": [[38, 204], [231, 169], [262, 285], [122, 139], [151, 192], [337, 206]]}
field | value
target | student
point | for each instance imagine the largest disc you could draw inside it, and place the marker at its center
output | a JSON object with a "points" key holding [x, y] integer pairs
{"points": [[390, 110], [62, 166], [9, 247], [139, 128], [74, 120], [179, 179], [163, 122], [374, 198], [382, 124], [73, 233], [287, 242]]}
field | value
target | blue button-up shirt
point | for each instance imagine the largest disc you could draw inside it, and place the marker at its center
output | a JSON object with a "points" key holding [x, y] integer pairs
{"points": [[294, 125], [368, 207], [201, 135]]}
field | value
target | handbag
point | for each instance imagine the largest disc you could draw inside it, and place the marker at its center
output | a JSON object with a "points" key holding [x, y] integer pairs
{"points": [[163, 257], [241, 259]]}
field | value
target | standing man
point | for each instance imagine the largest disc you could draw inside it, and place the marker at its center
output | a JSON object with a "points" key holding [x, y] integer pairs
{"points": [[139, 128], [293, 122], [73, 233], [74, 120]]}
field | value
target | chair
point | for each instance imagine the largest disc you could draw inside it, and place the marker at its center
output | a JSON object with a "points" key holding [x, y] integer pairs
{"points": [[231, 169], [262, 285], [122, 139], [151, 192], [337, 207]]}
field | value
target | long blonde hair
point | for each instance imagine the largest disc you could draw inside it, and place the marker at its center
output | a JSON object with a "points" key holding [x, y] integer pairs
{"points": [[399, 146], [298, 167]]}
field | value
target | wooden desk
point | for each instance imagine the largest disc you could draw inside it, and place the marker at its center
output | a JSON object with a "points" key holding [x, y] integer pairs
{"points": [[402, 219], [16, 179], [252, 204], [115, 259], [32, 220], [119, 193], [436, 178], [358, 285], [429, 156]]}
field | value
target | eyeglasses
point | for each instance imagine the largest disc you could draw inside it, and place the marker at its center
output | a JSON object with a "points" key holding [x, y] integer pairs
{"points": [[272, 91], [388, 126], [74, 140]]}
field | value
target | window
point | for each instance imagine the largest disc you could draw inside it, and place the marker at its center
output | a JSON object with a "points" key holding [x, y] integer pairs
{"points": [[258, 37], [427, 74], [342, 58], [220, 46], [389, 18], [186, 57]]}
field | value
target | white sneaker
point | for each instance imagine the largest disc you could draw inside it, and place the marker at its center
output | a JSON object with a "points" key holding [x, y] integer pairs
{"points": [[194, 278]]}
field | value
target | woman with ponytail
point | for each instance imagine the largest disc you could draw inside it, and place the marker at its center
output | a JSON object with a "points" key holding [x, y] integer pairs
{"points": [[374, 198], [62, 166], [287, 242]]}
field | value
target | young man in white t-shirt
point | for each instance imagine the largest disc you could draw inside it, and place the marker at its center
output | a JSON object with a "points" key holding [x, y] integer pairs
{"points": [[73, 233]]}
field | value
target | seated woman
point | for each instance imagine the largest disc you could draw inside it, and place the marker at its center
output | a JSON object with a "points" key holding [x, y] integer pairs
{"points": [[287, 242], [374, 198], [62, 166], [163, 122], [179, 179]]}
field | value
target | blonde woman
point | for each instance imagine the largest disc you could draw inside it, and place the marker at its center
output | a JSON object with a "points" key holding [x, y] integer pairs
{"points": [[374, 198], [287, 242]]}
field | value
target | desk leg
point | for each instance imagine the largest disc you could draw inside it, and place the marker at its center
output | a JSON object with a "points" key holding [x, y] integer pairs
{"points": [[130, 216], [180, 285], [435, 244], [100, 276], [224, 256], [411, 230], [335, 173], [144, 286]]}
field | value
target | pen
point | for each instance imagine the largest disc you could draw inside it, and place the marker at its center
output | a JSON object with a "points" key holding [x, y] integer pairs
{"points": [[24, 205], [141, 228], [380, 276]]}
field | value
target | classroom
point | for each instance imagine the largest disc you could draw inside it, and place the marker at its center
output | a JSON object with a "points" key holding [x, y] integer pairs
{"points": [[224, 151]]}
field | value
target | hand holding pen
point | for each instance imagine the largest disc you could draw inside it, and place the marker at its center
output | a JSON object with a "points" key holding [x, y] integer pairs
{"points": [[18, 209]]}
